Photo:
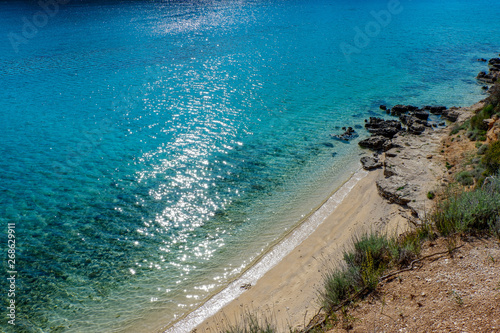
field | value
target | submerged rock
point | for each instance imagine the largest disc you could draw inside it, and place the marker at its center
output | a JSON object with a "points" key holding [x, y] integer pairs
{"points": [[349, 134]]}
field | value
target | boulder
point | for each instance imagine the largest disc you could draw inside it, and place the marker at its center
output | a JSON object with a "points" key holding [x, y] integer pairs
{"points": [[416, 129], [435, 109], [401, 109], [383, 107], [494, 61], [374, 142], [422, 115], [396, 190], [487, 77], [451, 115], [379, 126], [409, 120], [370, 163]]}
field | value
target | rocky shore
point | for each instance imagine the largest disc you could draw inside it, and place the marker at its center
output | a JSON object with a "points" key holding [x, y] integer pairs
{"points": [[406, 147], [407, 159]]}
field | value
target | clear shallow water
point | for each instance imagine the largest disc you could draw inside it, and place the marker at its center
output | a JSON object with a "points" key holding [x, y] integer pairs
{"points": [[152, 150]]}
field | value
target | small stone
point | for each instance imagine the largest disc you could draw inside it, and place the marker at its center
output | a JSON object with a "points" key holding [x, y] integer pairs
{"points": [[429, 156]]}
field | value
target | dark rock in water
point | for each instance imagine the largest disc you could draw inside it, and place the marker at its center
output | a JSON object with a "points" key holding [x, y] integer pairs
{"points": [[387, 128], [435, 109], [374, 142], [334, 154], [379, 126], [482, 60], [400, 109], [442, 124], [488, 78], [376, 123], [383, 107], [358, 126], [349, 134], [388, 132], [407, 119], [423, 115], [484, 87], [370, 163], [327, 144], [494, 61], [414, 124]]}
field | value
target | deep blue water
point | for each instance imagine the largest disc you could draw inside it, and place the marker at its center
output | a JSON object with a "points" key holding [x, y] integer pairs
{"points": [[150, 150]]}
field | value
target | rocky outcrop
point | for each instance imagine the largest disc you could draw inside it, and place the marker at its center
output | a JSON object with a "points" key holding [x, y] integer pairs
{"points": [[409, 173], [490, 77], [374, 142], [493, 74], [398, 110], [386, 128], [435, 109], [397, 191], [370, 163]]}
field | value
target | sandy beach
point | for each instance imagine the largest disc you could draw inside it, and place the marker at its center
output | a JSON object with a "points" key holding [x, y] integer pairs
{"points": [[287, 294]]}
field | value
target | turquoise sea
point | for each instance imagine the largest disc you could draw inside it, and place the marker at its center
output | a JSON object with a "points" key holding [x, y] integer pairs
{"points": [[152, 150]]}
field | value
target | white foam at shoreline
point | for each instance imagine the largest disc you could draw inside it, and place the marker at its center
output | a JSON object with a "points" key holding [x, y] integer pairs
{"points": [[268, 261]]}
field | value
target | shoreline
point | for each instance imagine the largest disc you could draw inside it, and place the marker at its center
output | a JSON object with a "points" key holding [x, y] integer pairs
{"points": [[268, 260], [287, 294]]}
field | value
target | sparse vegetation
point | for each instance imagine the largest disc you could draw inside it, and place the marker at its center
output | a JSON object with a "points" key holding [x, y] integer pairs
{"points": [[474, 211], [251, 323], [430, 195], [491, 158], [370, 257], [465, 178]]}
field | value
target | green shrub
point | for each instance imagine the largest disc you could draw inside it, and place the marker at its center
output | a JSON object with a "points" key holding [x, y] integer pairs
{"points": [[376, 246], [482, 149], [465, 178], [339, 285], [477, 123], [478, 173], [430, 195], [458, 128], [468, 211], [363, 266], [491, 158]]}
